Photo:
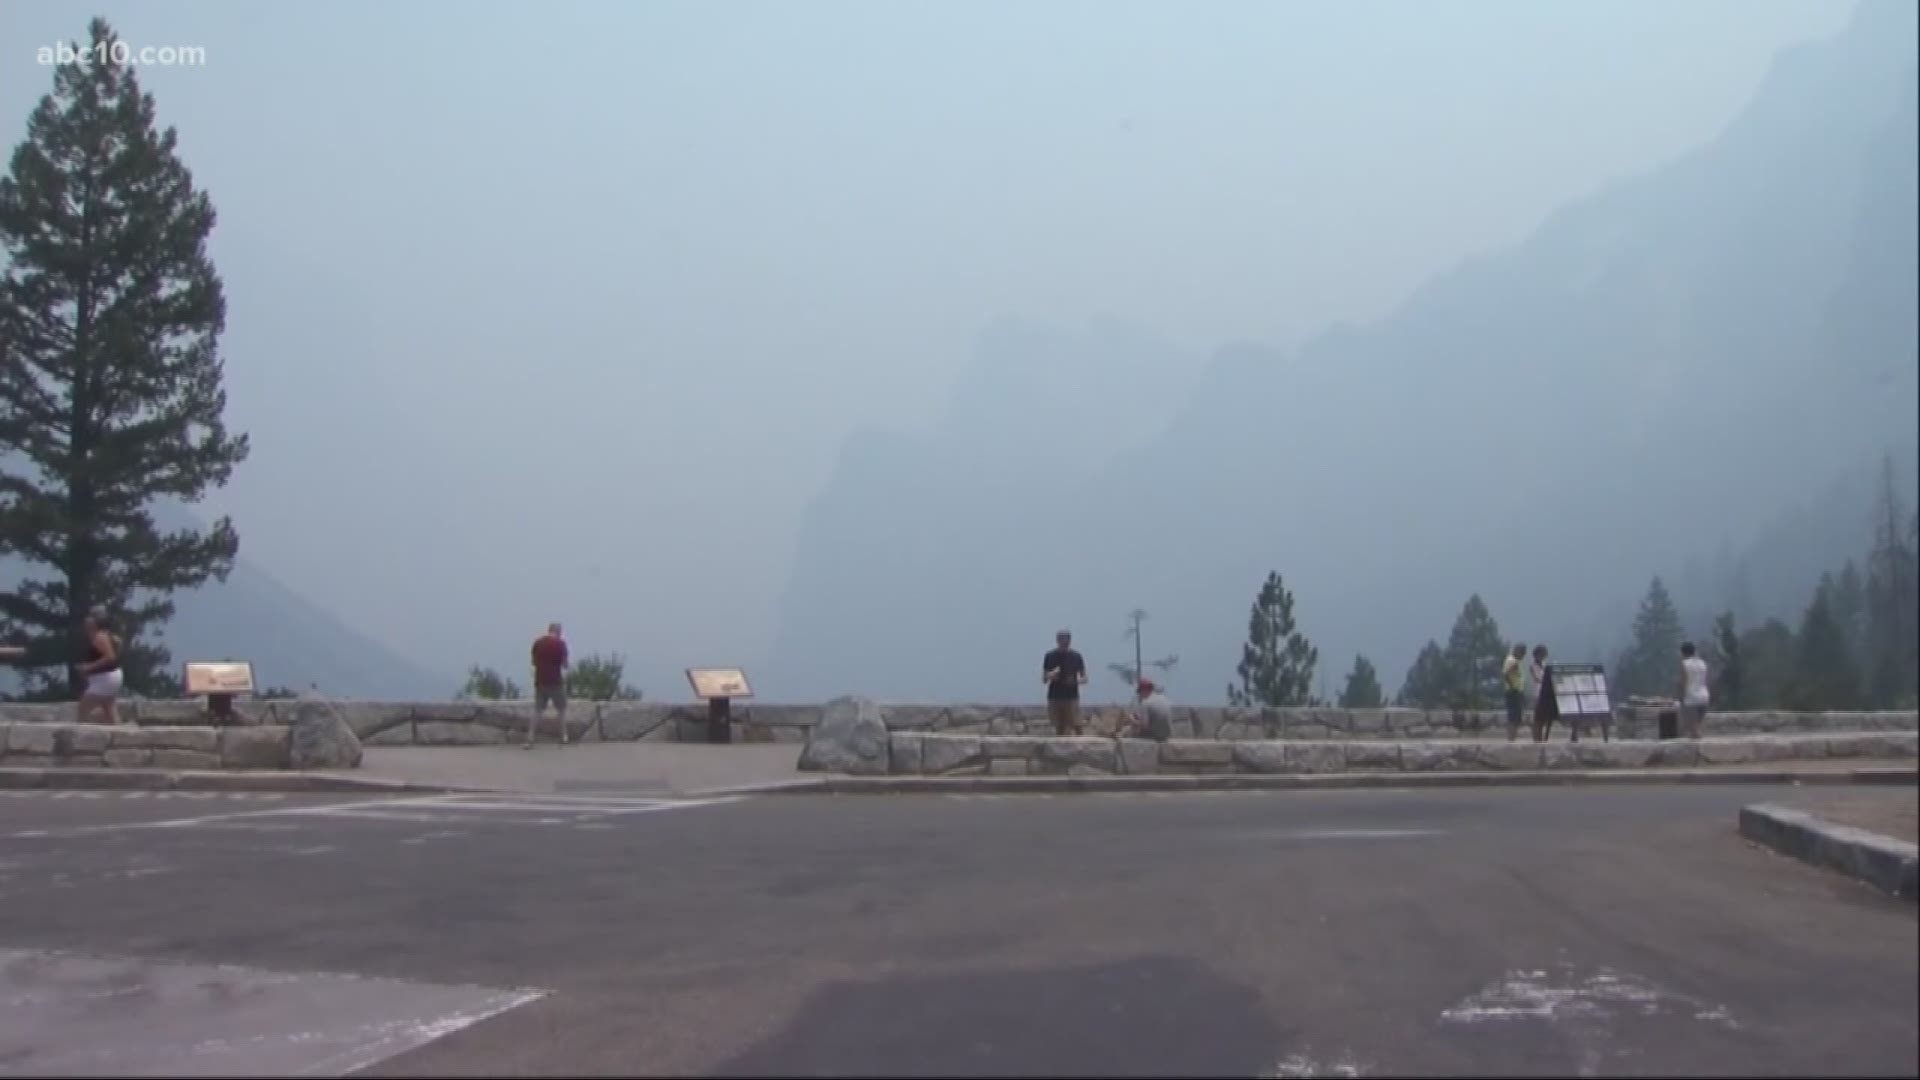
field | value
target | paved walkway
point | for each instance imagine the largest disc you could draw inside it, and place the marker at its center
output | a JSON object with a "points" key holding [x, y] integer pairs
{"points": [[687, 769], [642, 768], [1890, 811]]}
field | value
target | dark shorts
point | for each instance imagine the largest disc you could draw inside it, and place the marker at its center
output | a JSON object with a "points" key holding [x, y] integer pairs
{"points": [[1516, 705], [1065, 714], [555, 696]]}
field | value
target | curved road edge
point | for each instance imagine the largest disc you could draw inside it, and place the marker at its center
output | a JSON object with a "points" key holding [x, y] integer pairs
{"points": [[1890, 865]]}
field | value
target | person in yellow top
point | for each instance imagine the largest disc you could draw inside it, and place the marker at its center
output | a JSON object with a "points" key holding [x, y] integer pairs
{"points": [[1513, 679]]}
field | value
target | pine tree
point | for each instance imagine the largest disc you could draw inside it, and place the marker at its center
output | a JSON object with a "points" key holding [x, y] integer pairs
{"points": [[1363, 687], [110, 395], [1473, 657], [1729, 677], [1893, 603], [1824, 676], [1850, 611], [1276, 665], [1426, 684], [1651, 665], [1767, 660]]}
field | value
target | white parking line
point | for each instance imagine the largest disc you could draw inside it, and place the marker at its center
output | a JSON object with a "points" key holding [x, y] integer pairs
{"points": [[428, 809], [189, 822], [441, 834], [1354, 834]]}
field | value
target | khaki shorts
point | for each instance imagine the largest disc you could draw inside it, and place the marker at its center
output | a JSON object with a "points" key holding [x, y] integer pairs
{"points": [[1065, 714]]}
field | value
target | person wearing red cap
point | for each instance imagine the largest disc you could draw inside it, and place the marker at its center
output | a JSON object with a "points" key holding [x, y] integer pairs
{"points": [[1154, 717]]}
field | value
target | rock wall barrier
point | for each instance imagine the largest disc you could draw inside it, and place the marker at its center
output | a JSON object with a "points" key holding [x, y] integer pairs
{"points": [[464, 723], [43, 745], [938, 754]]}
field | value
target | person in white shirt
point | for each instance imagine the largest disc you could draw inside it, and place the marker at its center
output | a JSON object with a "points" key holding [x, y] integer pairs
{"points": [[1694, 696]]}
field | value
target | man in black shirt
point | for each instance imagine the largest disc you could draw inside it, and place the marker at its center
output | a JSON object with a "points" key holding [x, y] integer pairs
{"points": [[1063, 671]]}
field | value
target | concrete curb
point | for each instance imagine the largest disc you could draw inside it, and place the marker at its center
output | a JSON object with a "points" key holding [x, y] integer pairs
{"points": [[68, 779], [332, 782], [1892, 866], [1034, 785]]}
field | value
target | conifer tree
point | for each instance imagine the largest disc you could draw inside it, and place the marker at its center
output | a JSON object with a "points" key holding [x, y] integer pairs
{"points": [[1363, 686], [110, 371], [1277, 662]]}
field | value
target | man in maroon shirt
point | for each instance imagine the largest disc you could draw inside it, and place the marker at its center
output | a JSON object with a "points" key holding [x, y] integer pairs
{"points": [[549, 680]]}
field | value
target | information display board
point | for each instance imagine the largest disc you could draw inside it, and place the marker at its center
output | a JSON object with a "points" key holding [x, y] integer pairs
{"points": [[719, 683], [218, 677], [1580, 690]]}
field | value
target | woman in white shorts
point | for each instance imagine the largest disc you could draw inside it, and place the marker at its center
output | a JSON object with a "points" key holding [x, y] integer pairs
{"points": [[101, 668]]}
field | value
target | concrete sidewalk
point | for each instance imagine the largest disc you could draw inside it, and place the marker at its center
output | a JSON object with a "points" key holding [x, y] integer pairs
{"points": [[688, 769], [667, 770], [639, 768]]}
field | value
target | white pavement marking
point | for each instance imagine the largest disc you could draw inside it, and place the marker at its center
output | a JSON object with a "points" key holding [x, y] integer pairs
{"points": [[1306, 1064], [1536, 995], [354, 813], [420, 809], [137, 793], [399, 1038], [1584, 1011], [439, 834], [183, 823], [201, 1020], [548, 804], [1355, 834]]}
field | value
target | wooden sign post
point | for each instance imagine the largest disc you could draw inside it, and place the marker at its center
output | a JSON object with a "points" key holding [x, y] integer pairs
{"points": [[718, 687], [1580, 696]]}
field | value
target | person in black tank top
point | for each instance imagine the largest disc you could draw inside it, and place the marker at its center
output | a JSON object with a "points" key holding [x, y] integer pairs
{"points": [[101, 669]]}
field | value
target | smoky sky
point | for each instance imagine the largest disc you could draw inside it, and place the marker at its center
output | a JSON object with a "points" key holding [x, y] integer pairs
{"points": [[563, 310]]}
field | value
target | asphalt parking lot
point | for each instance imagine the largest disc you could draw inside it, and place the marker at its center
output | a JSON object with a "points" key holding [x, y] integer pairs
{"points": [[1524, 931]]}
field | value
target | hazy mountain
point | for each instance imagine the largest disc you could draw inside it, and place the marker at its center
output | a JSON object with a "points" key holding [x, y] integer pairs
{"points": [[1774, 575], [1659, 370], [290, 640]]}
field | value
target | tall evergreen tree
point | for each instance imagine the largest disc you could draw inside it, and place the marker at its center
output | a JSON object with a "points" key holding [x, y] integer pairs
{"points": [[1850, 611], [1427, 681], [1651, 665], [110, 373], [1824, 676], [1363, 687], [1276, 665], [1767, 661], [1729, 671], [1892, 647], [1474, 653]]}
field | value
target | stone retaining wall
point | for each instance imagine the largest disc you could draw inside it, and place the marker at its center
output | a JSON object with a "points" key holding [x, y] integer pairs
{"points": [[41, 745], [931, 754], [483, 723]]}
